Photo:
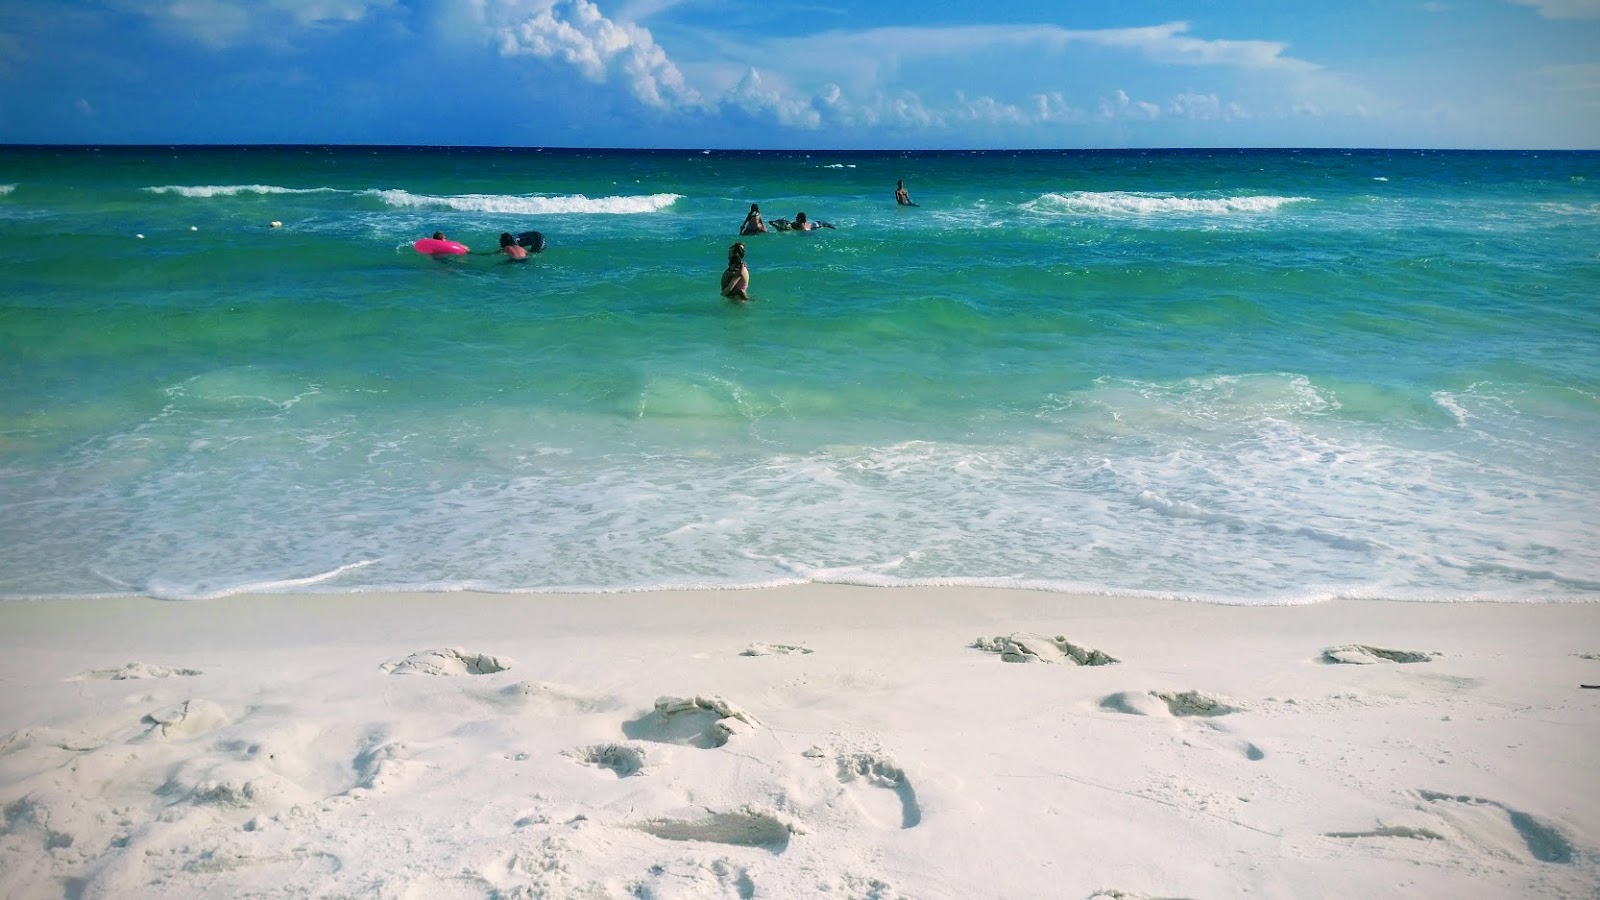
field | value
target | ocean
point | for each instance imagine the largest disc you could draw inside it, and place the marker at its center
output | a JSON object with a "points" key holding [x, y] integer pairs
{"points": [[1254, 377]]}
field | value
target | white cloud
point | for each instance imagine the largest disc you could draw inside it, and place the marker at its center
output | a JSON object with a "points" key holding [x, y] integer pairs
{"points": [[84, 107], [1121, 106], [1204, 107], [1564, 9], [223, 23], [603, 50], [756, 100]]}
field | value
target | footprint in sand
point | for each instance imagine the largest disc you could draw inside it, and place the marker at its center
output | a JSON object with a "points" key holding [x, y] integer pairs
{"points": [[449, 887], [761, 648], [1488, 825], [689, 878], [186, 719], [134, 670], [447, 661], [1125, 895], [1026, 647], [622, 759], [1365, 655], [543, 698], [1179, 705], [704, 722], [882, 778], [748, 827]]}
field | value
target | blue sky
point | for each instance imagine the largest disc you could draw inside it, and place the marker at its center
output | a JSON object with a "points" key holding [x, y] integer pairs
{"points": [[824, 74]]}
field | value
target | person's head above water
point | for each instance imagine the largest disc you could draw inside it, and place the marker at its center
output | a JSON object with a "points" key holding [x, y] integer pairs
{"points": [[755, 208], [736, 252], [438, 235], [506, 239], [799, 217]]}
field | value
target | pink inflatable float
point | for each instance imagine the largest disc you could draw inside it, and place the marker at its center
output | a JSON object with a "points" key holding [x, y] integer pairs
{"points": [[436, 247]]}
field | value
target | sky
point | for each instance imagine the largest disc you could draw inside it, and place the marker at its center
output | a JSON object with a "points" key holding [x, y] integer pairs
{"points": [[826, 74]]}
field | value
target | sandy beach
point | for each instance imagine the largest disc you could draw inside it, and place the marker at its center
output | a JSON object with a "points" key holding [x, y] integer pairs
{"points": [[814, 741]]}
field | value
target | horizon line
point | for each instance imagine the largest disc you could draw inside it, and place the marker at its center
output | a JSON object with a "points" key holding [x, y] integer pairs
{"points": [[707, 150]]}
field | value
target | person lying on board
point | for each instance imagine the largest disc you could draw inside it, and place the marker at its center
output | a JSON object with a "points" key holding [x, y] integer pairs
{"points": [[800, 223]]}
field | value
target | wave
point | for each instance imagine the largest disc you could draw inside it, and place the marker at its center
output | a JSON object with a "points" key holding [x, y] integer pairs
{"points": [[6, 189], [233, 190], [529, 204], [1143, 204]]}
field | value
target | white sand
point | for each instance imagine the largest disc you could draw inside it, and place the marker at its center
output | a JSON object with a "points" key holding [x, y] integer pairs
{"points": [[817, 742]]}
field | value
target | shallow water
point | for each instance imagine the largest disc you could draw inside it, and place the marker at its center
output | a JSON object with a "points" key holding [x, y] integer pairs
{"points": [[1236, 376]]}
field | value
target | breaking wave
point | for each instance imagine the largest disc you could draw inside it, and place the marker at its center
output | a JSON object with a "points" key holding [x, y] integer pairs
{"points": [[530, 205], [1142, 204]]}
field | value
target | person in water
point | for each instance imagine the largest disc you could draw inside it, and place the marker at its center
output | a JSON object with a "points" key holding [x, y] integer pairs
{"points": [[509, 246], [752, 222], [800, 223], [900, 195], [736, 278]]}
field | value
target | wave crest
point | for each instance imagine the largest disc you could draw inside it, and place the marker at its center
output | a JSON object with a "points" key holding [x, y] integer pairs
{"points": [[233, 190], [1143, 204], [531, 205]]}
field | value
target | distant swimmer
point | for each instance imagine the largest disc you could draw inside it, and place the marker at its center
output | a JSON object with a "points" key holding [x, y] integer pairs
{"points": [[800, 223], [900, 195], [752, 222], [736, 278]]}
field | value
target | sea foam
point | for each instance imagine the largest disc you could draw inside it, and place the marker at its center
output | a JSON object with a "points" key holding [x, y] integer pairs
{"points": [[1142, 204], [530, 205]]}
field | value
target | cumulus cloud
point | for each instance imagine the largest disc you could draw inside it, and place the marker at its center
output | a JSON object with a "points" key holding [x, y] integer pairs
{"points": [[757, 100], [1564, 9], [223, 23], [1204, 107], [1121, 106], [604, 51]]}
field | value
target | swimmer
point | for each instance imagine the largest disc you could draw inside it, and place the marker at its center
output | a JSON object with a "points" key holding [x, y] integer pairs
{"points": [[509, 246], [752, 222], [900, 195], [801, 223], [736, 278]]}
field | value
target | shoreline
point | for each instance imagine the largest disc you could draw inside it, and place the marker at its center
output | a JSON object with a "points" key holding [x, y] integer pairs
{"points": [[825, 740]]}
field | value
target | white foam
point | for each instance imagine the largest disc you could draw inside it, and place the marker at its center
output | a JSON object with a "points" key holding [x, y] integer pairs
{"points": [[6, 189], [530, 204], [255, 587], [233, 190], [1143, 204]]}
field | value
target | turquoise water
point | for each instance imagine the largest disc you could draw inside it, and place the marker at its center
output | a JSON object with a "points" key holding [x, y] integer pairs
{"points": [[1244, 377]]}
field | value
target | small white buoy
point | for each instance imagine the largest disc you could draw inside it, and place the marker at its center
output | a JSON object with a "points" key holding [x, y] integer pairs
{"points": [[276, 224], [192, 228], [139, 236]]}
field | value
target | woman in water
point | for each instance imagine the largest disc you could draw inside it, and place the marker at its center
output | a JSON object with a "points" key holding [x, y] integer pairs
{"points": [[752, 222], [736, 278]]}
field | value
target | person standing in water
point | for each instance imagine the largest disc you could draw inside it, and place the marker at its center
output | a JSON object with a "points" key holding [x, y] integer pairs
{"points": [[752, 222], [736, 278], [900, 195]]}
